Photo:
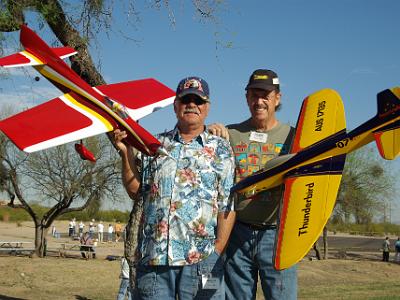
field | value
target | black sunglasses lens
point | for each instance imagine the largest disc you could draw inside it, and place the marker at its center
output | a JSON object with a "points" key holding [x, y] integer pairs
{"points": [[195, 100]]}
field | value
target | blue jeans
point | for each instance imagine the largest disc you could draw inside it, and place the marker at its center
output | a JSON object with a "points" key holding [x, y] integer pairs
{"points": [[204, 280], [249, 255], [124, 289]]}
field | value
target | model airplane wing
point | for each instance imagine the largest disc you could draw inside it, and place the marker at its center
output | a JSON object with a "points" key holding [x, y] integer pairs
{"points": [[311, 189], [321, 115], [58, 121], [140, 97], [69, 118]]}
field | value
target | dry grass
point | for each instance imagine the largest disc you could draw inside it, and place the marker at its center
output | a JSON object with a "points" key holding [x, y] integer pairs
{"points": [[349, 279], [58, 278]]}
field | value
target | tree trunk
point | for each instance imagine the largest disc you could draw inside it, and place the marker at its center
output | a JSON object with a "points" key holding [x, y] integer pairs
{"points": [[325, 240], [316, 249], [132, 238], [40, 239]]}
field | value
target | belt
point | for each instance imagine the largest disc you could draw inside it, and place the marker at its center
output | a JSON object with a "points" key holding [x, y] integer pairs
{"points": [[258, 226]]}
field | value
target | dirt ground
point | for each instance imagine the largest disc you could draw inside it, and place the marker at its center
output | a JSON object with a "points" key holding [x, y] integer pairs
{"points": [[359, 276]]}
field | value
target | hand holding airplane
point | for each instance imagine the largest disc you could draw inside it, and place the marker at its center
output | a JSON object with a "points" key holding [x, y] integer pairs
{"points": [[83, 111], [312, 171]]}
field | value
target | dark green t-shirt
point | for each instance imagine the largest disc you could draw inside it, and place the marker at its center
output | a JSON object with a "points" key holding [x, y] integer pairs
{"points": [[252, 151]]}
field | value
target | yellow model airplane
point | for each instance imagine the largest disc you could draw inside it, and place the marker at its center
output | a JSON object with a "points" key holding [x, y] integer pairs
{"points": [[312, 171]]}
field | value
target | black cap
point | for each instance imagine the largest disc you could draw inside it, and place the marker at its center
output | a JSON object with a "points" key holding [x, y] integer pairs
{"points": [[193, 85], [263, 79]]}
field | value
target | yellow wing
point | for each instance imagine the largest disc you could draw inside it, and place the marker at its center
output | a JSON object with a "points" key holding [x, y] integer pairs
{"points": [[321, 115], [307, 205]]}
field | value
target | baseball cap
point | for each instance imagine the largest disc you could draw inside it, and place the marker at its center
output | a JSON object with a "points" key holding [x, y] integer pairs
{"points": [[263, 79], [193, 85]]}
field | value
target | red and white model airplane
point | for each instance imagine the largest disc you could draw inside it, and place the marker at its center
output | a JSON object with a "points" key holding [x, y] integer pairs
{"points": [[83, 111]]}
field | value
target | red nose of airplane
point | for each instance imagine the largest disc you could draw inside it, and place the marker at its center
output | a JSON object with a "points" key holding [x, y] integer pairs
{"points": [[84, 153]]}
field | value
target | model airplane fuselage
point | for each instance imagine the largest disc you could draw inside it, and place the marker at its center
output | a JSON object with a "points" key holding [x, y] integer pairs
{"points": [[82, 111], [312, 171]]}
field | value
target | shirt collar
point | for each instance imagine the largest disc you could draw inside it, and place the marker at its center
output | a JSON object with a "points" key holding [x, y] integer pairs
{"points": [[201, 138]]}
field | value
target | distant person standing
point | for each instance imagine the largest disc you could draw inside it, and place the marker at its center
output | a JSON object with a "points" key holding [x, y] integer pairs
{"points": [[100, 230], [124, 286], [118, 231], [70, 228], [397, 248], [53, 231], [81, 227], [386, 249], [110, 233], [91, 228], [73, 227]]}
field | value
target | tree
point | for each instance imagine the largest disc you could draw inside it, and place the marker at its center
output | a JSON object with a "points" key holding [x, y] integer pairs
{"points": [[59, 177], [367, 185]]}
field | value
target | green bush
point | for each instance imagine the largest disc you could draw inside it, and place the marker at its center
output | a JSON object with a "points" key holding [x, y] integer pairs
{"points": [[13, 214], [377, 229], [20, 215]]}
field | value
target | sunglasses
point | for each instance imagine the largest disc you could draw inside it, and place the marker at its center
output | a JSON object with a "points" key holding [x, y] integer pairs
{"points": [[196, 100]]}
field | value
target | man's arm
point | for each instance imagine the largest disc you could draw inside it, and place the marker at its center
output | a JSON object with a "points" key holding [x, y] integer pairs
{"points": [[225, 220], [130, 174]]}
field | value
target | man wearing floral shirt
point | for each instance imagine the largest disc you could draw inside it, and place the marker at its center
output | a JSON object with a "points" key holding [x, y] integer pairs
{"points": [[188, 215]]}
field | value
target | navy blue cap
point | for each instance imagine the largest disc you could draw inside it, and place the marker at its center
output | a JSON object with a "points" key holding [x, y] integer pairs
{"points": [[193, 85]]}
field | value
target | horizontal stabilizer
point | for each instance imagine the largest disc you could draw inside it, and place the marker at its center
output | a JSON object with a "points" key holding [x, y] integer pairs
{"points": [[388, 140], [24, 58], [308, 201], [321, 115], [21, 59]]}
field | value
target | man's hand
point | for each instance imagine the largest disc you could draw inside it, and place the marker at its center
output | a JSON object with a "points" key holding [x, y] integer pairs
{"points": [[118, 137], [218, 129]]}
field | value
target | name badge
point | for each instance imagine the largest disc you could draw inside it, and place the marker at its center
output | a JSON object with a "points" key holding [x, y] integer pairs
{"points": [[260, 137], [209, 283]]}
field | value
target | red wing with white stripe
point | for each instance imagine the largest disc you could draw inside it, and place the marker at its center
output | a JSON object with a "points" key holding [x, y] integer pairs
{"points": [[58, 121], [140, 97]]}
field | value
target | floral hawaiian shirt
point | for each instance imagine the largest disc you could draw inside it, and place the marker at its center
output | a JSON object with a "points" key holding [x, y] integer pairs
{"points": [[183, 193]]}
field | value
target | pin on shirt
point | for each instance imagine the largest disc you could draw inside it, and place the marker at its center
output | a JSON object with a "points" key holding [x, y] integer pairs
{"points": [[260, 137]]}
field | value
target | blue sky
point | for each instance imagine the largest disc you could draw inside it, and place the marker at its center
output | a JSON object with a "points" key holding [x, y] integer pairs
{"points": [[351, 46]]}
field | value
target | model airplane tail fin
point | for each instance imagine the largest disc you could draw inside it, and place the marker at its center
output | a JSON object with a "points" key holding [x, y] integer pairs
{"points": [[389, 102], [36, 53], [388, 137], [321, 115]]}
